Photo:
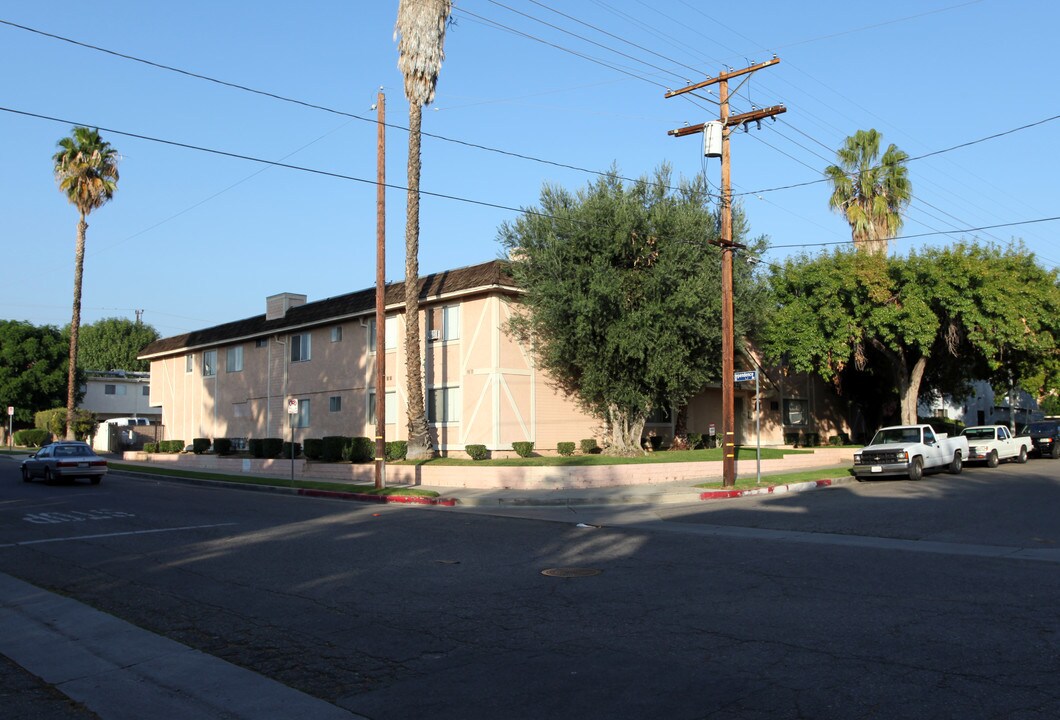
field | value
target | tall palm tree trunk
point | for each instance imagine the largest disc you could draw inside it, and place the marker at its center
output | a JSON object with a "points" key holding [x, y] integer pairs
{"points": [[419, 439], [75, 326]]}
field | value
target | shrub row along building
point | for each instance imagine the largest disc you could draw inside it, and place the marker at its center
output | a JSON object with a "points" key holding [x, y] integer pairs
{"points": [[237, 380]]}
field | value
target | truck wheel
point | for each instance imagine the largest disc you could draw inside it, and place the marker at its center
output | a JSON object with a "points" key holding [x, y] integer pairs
{"points": [[956, 464], [991, 459], [916, 468], [1056, 451], [1022, 457]]}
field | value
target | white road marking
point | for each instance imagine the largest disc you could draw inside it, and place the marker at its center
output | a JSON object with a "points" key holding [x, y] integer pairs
{"points": [[117, 534]]}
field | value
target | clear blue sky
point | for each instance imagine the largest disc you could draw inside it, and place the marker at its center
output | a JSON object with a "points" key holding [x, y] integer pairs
{"points": [[196, 239]]}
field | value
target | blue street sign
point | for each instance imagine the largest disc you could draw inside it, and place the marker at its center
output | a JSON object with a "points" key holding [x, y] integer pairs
{"points": [[744, 376]]}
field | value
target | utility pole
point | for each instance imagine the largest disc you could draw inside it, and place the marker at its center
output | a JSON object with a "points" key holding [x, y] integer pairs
{"points": [[725, 242], [380, 296]]}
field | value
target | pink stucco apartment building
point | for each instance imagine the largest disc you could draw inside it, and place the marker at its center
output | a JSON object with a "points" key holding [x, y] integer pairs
{"points": [[238, 379]]}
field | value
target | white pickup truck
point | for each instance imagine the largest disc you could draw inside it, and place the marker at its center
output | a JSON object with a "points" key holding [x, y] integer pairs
{"points": [[993, 443], [910, 450]]}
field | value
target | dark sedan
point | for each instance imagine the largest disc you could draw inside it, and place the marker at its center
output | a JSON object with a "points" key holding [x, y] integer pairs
{"points": [[1045, 437], [64, 460]]}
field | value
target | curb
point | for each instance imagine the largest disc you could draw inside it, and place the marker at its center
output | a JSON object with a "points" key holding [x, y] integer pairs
{"points": [[304, 492], [772, 490]]}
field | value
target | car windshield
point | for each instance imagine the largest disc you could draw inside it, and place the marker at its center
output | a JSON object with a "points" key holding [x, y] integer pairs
{"points": [[979, 433], [896, 435], [1041, 428], [71, 450]]}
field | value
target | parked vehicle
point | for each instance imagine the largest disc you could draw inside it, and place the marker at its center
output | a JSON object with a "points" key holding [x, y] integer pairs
{"points": [[64, 460], [993, 443], [1045, 438], [910, 450]]}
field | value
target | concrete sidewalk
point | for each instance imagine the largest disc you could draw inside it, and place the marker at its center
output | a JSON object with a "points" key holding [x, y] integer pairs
{"points": [[662, 493], [122, 672]]}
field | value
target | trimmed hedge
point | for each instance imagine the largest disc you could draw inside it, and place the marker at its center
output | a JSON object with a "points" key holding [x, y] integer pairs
{"points": [[477, 452], [589, 446], [222, 446], [32, 437], [333, 446], [254, 447], [313, 448], [695, 441], [523, 448], [565, 448], [200, 445], [359, 450], [150, 447], [287, 450], [397, 450], [271, 447], [171, 446]]}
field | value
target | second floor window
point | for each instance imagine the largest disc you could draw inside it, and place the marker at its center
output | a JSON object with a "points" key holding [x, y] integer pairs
{"points": [[391, 334], [234, 359], [209, 363], [301, 347], [443, 323]]}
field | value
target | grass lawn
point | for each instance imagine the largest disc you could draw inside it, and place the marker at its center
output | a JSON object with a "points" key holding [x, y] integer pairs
{"points": [[664, 456], [747, 483], [272, 481]]}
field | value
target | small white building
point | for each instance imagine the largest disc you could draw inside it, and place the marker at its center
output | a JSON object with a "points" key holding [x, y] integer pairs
{"points": [[118, 394], [984, 407]]}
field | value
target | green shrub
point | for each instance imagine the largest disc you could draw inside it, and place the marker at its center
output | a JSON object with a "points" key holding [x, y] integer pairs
{"points": [[32, 437], [359, 450], [791, 438], [477, 452], [54, 421], [256, 447], [695, 440], [812, 439], [589, 446], [200, 445], [287, 450], [150, 447], [271, 447], [333, 447], [171, 446], [523, 449], [655, 441], [839, 440], [222, 446], [565, 448], [397, 450], [313, 448]]}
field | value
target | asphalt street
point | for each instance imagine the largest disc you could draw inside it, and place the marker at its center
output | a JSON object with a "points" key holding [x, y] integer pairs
{"points": [[870, 600]]}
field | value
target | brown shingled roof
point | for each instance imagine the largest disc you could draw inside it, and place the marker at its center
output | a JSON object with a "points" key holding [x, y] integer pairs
{"points": [[495, 273]]}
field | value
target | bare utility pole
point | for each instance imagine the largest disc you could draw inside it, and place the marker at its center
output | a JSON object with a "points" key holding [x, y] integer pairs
{"points": [[725, 242], [380, 297]]}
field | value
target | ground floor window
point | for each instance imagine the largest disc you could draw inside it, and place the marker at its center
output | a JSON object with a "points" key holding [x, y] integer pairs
{"points": [[390, 409], [301, 418], [443, 405]]}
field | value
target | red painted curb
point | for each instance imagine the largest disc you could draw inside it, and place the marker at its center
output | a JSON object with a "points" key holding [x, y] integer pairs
{"points": [[727, 494], [386, 499]]}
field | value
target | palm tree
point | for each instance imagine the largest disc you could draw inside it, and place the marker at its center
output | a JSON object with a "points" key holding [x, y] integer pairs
{"points": [[870, 191], [421, 26], [86, 169]]}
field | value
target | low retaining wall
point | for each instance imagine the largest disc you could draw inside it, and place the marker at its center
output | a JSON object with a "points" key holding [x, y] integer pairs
{"points": [[512, 478]]}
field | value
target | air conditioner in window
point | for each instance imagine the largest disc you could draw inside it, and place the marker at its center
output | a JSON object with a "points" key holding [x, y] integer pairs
{"points": [[433, 335]]}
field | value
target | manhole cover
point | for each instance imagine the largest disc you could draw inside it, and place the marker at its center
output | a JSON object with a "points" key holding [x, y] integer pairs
{"points": [[571, 572]]}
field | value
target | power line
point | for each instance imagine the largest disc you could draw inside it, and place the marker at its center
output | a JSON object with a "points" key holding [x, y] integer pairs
{"points": [[930, 234]]}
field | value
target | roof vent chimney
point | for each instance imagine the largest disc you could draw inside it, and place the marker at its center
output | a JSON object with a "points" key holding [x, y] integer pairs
{"points": [[276, 306]]}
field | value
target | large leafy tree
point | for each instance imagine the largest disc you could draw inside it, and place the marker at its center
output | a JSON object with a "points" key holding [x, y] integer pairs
{"points": [[420, 31], [86, 169], [33, 370], [942, 315], [870, 191], [622, 295], [113, 344]]}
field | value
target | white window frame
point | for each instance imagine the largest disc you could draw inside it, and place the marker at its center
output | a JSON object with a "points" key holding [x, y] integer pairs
{"points": [[451, 405], [391, 407], [336, 333], [189, 363], [236, 352], [209, 363], [305, 347]]}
